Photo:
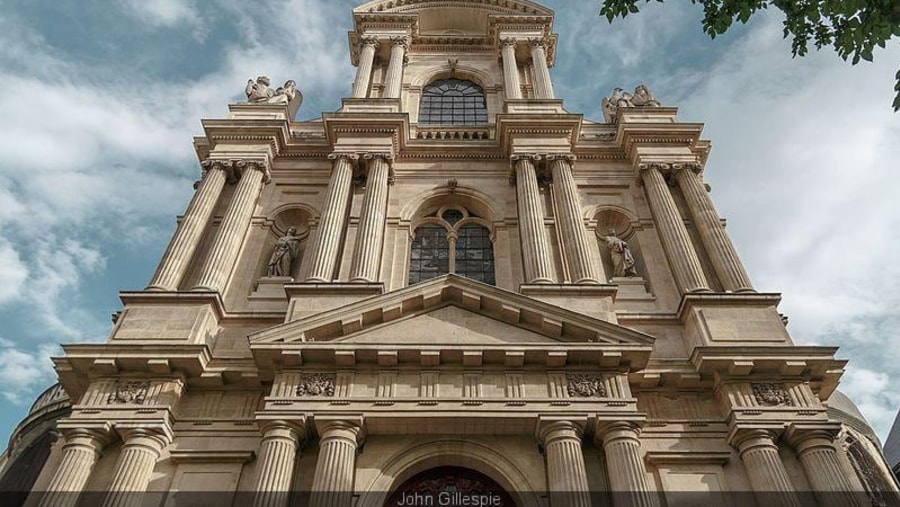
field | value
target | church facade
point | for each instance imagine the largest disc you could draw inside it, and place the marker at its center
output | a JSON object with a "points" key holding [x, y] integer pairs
{"points": [[452, 291]]}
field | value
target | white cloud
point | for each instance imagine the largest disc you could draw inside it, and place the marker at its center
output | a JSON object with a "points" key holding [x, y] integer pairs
{"points": [[23, 373], [162, 12], [13, 272]]}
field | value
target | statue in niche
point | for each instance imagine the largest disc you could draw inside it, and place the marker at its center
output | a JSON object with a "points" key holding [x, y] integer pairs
{"points": [[260, 92], [622, 258], [620, 98], [286, 249]]}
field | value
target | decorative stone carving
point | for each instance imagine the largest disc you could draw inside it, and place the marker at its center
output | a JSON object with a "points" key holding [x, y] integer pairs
{"points": [[316, 384], [261, 93], [623, 259], [285, 253], [619, 98], [771, 395], [586, 386], [129, 392]]}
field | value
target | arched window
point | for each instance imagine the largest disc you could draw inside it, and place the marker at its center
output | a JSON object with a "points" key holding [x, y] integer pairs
{"points": [[453, 102], [455, 230]]}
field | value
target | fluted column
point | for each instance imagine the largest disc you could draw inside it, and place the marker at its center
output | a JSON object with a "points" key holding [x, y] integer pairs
{"points": [[134, 468], [394, 81], [566, 473], [333, 481], [574, 236], [768, 477], [543, 86], [278, 452], [80, 452], [510, 69], [532, 233], [334, 218], [815, 449], [370, 236], [364, 70], [175, 262], [676, 242], [625, 469], [227, 245], [721, 251]]}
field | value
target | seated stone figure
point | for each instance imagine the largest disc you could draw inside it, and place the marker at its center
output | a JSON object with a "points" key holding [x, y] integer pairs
{"points": [[620, 98], [260, 92]]}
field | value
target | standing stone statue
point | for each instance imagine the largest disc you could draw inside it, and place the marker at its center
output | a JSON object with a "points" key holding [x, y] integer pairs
{"points": [[286, 249], [622, 258]]}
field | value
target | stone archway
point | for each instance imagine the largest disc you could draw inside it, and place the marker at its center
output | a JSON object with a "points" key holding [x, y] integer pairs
{"points": [[450, 486]]}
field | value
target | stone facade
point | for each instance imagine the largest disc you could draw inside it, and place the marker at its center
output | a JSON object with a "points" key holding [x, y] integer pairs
{"points": [[331, 378]]}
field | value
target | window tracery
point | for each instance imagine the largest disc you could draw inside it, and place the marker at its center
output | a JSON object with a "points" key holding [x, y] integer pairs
{"points": [[453, 102], [452, 240]]}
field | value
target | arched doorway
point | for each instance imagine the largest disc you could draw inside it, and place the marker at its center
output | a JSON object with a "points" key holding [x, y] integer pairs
{"points": [[450, 487]]}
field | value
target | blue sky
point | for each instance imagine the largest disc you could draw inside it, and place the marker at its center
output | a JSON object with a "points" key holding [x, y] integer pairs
{"points": [[103, 97]]}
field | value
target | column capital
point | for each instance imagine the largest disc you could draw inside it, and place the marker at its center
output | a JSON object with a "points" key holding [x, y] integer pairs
{"points": [[745, 439], [348, 430], [552, 431], [534, 157], [611, 431], [254, 165], [160, 430], [210, 164], [538, 42], [568, 157], [403, 40], [87, 436], [508, 42], [386, 156], [294, 431], [350, 157], [369, 40], [804, 437]]}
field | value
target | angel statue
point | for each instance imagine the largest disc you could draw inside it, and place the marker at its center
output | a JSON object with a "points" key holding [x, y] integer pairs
{"points": [[260, 92], [286, 249], [620, 98], [622, 258]]}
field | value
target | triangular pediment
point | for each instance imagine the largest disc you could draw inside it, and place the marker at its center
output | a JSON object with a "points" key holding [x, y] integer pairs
{"points": [[493, 310]]}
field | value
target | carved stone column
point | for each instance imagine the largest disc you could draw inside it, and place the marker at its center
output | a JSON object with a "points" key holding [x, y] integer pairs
{"points": [[575, 243], [333, 481], [676, 242], [543, 86], [532, 233], [815, 449], [81, 450], [370, 236], [175, 262], [134, 468], [278, 452], [334, 218], [230, 237], [393, 83], [566, 473], [364, 71], [510, 69], [722, 254], [625, 469], [766, 471]]}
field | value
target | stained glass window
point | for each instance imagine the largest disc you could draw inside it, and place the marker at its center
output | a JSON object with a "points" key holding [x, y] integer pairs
{"points": [[467, 250], [453, 102], [429, 257], [475, 254]]}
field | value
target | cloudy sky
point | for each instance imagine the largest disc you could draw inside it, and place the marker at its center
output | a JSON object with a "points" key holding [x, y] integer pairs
{"points": [[103, 96]]}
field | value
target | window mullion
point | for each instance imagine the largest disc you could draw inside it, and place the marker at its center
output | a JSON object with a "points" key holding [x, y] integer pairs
{"points": [[451, 240]]}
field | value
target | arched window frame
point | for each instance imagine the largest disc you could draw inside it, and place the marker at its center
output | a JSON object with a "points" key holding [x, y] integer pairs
{"points": [[452, 231], [477, 115]]}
